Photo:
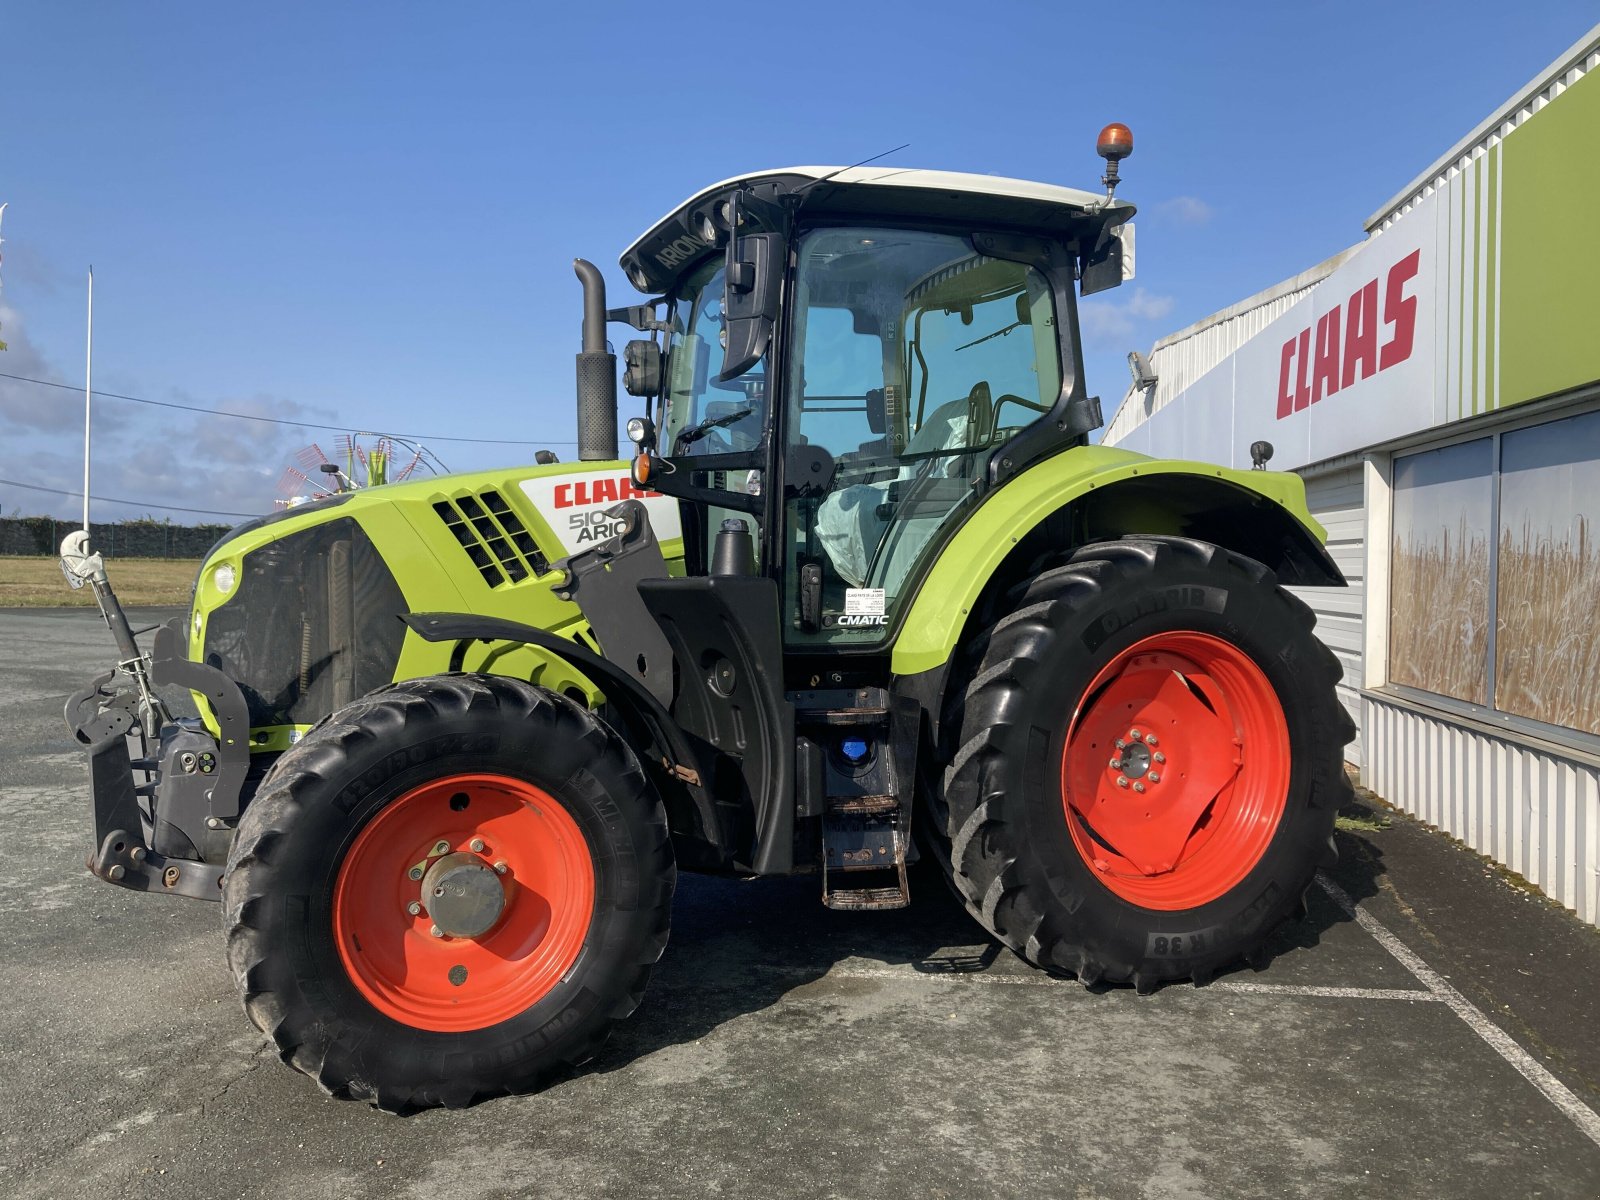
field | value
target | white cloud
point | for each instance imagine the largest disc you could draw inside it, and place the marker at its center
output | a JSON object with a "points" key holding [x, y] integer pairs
{"points": [[1111, 320], [1186, 210], [157, 456], [21, 358]]}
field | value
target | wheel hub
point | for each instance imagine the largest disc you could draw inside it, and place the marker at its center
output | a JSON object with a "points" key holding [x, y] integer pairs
{"points": [[1135, 761], [463, 895], [1175, 769]]}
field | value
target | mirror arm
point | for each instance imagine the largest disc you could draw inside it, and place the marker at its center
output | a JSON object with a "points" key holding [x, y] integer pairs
{"points": [[641, 316]]}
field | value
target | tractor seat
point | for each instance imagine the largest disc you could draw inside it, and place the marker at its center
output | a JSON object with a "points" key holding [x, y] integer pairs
{"points": [[848, 525]]}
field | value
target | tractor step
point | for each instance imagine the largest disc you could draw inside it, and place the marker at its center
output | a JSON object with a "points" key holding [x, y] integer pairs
{"points": [[896, 895], [863, 835], [860, 745], [877, 805]]}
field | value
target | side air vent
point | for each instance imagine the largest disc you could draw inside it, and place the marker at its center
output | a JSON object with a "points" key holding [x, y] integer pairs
{"points": [[496, 541]]}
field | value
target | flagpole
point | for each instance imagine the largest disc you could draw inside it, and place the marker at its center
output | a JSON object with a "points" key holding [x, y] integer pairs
{"points": [[3, 208], [88, 393]]}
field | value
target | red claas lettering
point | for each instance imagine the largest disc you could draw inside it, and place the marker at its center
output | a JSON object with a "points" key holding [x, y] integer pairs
{"points": [[1310, 370], [1400, 311], [1361, 335], [1325, 375], [604, 489]]}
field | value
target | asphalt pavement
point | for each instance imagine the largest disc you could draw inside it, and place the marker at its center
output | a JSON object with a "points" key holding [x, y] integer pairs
{"points": [[1428, 1030]]}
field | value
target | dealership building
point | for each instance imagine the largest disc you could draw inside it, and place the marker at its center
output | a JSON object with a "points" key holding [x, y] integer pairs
{"points": [[1437, 385]]}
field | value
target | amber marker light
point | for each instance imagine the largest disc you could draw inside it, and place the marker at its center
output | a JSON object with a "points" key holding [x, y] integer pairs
{"points": [[1116, 142], [641, 471], [1114, 145]]}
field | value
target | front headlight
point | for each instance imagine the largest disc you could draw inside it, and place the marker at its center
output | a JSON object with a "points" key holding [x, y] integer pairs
{"points": [[223, 578]]}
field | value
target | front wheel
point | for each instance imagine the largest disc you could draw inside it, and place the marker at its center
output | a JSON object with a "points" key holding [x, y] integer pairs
{"points": [[448, 891], [1150, 762]]}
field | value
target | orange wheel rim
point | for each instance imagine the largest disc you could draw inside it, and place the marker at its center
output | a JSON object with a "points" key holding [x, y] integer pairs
{"points": [[1175, 775], [492, 830]]}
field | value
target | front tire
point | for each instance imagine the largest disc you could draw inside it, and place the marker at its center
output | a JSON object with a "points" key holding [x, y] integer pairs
{"points": [[448, 891], [1150, 762]]}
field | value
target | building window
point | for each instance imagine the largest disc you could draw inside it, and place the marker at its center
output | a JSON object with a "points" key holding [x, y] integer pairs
{"points": [[1443, 509], [1547, 643], [1495, 573]]}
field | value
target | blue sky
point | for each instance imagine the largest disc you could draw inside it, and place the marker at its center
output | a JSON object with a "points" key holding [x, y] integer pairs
{"points": [[366, 214]]}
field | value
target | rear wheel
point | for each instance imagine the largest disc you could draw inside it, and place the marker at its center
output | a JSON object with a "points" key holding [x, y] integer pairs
{"points": [[1150, 761], [448, 891]]}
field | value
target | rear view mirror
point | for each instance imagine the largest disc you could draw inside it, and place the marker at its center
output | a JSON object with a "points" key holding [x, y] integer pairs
{"points": [[750, 301], [750, 294], [1101, 268]]}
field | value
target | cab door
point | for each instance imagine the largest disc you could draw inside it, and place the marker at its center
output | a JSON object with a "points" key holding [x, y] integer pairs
{"points": [[714, 442], [914, 359]]}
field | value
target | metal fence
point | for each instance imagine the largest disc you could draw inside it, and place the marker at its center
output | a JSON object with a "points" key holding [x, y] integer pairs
{"points": [[119, 539]]}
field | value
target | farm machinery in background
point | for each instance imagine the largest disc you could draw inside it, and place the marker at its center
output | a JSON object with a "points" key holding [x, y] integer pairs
{"points": [[361, 460]]}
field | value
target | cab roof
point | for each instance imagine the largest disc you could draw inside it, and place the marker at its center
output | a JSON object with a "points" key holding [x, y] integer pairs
{"points": [[674, 243]]}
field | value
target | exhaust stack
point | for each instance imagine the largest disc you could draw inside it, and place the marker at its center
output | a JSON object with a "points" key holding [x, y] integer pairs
{"points": [[597, 372]]}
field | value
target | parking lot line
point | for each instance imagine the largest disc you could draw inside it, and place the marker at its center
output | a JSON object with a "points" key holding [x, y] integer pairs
{"points": [[1041, 980], [1332, 993], [1581, 1115], [1435, 989]]}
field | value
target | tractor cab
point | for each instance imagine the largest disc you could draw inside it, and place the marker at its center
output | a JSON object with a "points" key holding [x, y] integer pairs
{"points": [[841, 365], [892, 345]]}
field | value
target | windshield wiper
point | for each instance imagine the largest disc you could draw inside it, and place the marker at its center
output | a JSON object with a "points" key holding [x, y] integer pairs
{"points": [[694, 433], [990, 336]]}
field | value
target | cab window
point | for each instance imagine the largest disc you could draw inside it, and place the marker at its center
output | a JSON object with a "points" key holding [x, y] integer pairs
{"points": [[916, 359], [704, 415]]}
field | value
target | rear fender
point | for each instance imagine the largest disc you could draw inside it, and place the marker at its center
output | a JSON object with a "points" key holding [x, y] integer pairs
{"points": [[1091, 493]]}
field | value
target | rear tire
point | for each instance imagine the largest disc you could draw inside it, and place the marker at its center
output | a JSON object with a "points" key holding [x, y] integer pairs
{"points": [[1187, 864], [513, 804]]}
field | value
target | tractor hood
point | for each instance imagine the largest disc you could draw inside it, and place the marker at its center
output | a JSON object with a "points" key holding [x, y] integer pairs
{"points": [[302, 608]]}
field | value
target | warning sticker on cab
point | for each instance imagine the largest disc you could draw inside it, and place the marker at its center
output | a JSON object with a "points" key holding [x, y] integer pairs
{"points": [[863, 602]]}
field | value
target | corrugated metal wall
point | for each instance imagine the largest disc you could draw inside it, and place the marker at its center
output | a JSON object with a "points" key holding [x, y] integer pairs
{"points": [[1534, 810], [1335, 499], [1181, 359], [1562, 74]]}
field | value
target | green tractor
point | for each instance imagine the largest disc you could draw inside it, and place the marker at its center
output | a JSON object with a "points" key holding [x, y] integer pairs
{"points": [[864, 594]]}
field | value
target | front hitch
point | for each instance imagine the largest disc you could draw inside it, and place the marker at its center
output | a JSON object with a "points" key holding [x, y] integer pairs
{"points": [[193, 785]]}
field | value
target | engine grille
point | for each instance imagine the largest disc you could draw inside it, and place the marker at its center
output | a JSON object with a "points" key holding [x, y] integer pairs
{"points": [[494, 538], [313, 624]]}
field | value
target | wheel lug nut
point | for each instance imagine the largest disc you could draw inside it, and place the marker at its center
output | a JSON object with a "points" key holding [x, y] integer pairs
{"points": [[436, 931], [1121, 745], [1135, 735], [1154, 778], [414, 909], [1116, 764], [1159, 757], [441, 847], [1150, 739], [500, 868], [415, 873], [1138, 787], [477, 845], [1122, 781]]}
